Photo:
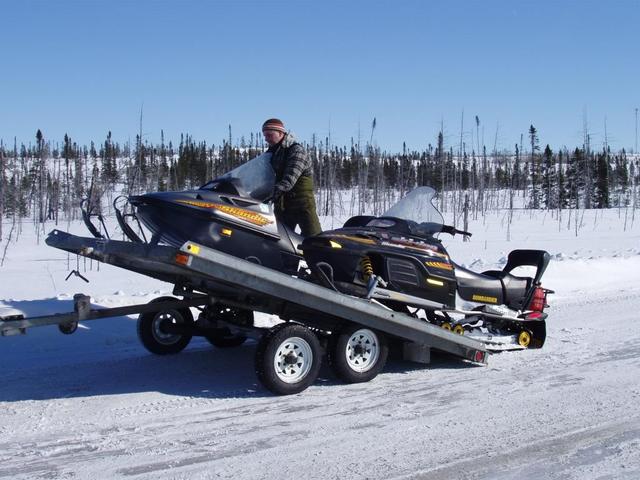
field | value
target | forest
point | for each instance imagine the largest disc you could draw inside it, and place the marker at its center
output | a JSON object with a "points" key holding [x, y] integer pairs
{"points": [[47, 180]]}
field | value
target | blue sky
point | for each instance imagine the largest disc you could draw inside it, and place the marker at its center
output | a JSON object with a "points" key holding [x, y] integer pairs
{"points": [[324, 67]]}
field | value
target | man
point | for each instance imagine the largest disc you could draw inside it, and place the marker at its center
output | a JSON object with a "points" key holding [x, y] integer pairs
{"points": [[293, 192]]}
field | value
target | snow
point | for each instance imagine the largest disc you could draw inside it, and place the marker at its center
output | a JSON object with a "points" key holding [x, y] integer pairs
{"points": [[95, 404]]}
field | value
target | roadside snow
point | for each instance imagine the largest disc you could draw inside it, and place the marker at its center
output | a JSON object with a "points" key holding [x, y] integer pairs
{"points": [[97, 405]]}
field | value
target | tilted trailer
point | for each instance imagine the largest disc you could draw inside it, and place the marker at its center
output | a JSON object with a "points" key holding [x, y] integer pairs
{"points": [[355, 333]]}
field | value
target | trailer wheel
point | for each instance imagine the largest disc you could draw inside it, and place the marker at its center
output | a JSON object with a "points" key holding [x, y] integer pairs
{"points": [[223, 337], [152, 329], [288, 359], [358, 354]]}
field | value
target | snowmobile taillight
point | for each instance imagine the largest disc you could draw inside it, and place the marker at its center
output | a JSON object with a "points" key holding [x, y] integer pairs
{"points": [[538, 298]]}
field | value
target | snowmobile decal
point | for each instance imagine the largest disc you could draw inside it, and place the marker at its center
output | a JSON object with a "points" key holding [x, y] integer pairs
{"points": [[441, 265], [241, 213], [367, 241], [195, 203], [484, 299]]}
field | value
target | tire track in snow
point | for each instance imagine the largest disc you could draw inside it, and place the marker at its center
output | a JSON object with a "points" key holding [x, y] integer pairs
{"points": [[550, 457]]}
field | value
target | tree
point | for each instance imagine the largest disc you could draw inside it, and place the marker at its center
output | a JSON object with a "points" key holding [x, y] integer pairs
{"points": [[561, 183], [517, 171], [2, 180], [601, 191], [534, 166], [40, 176], [549, 184], [575, 179], [109, 165]]}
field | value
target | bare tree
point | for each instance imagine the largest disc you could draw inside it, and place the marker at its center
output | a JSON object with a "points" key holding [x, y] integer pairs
{"points": [[2, 170], [636, 149]]}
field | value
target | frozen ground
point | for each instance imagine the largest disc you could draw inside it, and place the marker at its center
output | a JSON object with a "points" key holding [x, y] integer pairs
{"points": [[97, 405]]}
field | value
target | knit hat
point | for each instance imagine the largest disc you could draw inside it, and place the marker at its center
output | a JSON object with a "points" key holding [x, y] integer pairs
{"points": [[274, 124]]}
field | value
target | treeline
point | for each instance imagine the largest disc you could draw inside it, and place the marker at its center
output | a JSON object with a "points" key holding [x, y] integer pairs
{"points": [[47, 180]]}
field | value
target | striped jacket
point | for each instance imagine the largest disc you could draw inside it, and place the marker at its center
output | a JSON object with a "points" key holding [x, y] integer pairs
{"points": [[289, 162]]}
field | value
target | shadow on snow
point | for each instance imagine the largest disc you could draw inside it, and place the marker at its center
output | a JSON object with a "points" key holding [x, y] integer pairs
{"points": [[105, 357]]}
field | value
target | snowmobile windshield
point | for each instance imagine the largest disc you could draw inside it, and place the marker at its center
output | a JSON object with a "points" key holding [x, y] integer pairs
{"points": [[418, 210], [254, 178]]}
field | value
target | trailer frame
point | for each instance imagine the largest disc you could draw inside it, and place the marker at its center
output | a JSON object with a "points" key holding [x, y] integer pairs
{"points": [[206, 278]]}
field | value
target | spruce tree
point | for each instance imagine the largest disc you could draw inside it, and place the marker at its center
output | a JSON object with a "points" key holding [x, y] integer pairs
{"points": [[601, 190], [549, 184]]}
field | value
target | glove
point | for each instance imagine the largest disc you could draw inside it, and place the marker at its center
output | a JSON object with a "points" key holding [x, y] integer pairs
{"points": [[453, 230], [448, 229], [277, 194]]}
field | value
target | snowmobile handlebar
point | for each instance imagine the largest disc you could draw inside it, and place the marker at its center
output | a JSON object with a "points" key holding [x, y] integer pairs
{"points": [[453, 230]]}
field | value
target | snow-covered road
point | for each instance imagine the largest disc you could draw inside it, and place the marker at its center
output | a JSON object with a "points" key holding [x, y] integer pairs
{"points": [[96, 405]]}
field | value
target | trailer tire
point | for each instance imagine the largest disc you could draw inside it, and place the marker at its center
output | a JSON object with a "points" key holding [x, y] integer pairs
{"points": [[358, 354], [288, 359], [154, 339]]}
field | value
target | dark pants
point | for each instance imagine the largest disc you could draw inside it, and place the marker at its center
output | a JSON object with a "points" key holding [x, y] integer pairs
{"points": [[307, 219], [298, 207]]}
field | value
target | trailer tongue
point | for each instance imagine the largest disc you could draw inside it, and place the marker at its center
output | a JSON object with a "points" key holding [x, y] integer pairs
{"points": [[354, 332]]}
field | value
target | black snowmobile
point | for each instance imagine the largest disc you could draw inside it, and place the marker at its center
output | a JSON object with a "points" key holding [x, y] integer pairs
{"points": [[397, 260], [394, 259], [228, 213]]}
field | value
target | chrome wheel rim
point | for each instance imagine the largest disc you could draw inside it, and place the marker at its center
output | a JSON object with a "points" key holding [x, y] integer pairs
{"points": [[293, 360], [160, 336], [362, 350]]}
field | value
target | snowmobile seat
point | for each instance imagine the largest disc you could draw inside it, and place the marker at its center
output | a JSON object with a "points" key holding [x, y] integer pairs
{"points": [[478, 287], [514, 288]]}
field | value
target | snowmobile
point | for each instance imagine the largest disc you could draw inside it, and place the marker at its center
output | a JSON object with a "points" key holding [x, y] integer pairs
{"points": [[399, 251], [395, 259], [228, 213]]}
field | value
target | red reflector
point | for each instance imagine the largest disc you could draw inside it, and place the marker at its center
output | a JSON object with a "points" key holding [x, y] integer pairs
{"points": [[479, 357], [537, 300], [182, 258]]}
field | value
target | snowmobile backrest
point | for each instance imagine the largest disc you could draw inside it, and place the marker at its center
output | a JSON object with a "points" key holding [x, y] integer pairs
{"points": [[534, 258]]}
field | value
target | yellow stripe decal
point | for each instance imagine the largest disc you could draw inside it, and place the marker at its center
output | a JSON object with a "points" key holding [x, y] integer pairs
{"points": [[441, 265], [240, 213]]}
